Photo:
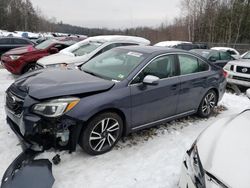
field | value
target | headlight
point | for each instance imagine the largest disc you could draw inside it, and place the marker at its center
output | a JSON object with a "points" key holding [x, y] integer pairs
{"points": [[55, 108], [195, 168], [61, 65], [14, 57]]}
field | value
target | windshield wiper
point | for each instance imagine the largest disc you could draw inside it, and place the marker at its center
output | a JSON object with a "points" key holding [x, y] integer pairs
{"points": [[88, 72]]}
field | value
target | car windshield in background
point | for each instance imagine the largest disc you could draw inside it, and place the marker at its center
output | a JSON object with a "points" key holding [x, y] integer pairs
{"points": [[203, 53], [44, 44], [115, 64], [86, 48], [247, 56]]}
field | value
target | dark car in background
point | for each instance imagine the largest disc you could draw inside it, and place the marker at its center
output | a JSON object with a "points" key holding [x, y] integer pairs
{"points": [[8, 43], [123, 90], [183, 45], [22, 60], [219, 58]]}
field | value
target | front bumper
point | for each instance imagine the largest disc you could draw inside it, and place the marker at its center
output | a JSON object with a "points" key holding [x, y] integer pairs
{"points": [[187, 182], [238, 78], [185, 179], [15, 67], [26, 172], [41, 134], [239, 82]]}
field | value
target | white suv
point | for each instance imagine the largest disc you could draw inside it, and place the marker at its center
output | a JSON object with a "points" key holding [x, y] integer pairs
{"points": [[239, 71], [87, 49]]}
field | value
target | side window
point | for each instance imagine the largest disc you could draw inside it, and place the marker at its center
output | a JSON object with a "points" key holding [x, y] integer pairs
{"points": [[231, 52], [109, 47], [162, 67], [225, 56], [128, 44], [19, 41], [5, 41], [203, 66], [59, 46], [190, 64], [215, 56]]}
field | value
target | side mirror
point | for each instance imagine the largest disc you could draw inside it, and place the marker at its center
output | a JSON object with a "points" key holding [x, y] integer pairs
{"points": [[248, 93], [53, 50], [212, 59], [151, 80]]}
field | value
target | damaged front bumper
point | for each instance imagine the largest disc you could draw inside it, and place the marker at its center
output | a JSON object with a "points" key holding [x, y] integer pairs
{"points": [[25, 172], [41, 134]]}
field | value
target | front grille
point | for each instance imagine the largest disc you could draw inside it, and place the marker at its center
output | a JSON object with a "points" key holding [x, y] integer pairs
{"points": [[245, 70], [14, 103], [241, 78]]}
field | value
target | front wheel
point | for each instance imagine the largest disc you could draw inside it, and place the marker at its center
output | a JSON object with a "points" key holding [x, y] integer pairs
{"points": [[101, 134], [207, 104]]}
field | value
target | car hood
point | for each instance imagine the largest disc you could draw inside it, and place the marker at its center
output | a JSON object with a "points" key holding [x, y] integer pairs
{"points": [[21, 50], [224, 150], [240, 62], [55, 82], [62, 58]]}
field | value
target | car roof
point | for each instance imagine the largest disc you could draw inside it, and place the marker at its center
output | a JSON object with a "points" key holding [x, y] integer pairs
{"points": [[14, 38], [223, 48], [152, 49], [171, 43], [204, 50], [118, 38]]}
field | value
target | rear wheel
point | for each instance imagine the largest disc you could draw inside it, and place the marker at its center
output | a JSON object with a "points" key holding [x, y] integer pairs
{"points": [[101, 134], [208, 104]]}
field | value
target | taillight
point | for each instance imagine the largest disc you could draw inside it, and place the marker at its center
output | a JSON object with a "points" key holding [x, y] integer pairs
{"points": [[225, 74]]}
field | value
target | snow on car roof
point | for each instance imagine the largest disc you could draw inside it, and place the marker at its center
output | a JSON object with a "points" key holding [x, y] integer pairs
{"points": [[170, 43], [113, 38], [223, 48]]}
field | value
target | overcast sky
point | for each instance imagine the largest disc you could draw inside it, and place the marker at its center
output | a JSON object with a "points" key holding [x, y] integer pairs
{"points": [[110, 13]]}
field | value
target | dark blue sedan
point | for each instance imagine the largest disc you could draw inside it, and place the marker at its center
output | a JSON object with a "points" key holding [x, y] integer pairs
{"points": [[118, 92]]}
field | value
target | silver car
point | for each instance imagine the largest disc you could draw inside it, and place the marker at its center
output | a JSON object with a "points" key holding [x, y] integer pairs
{"points": [[87, 49], [219, 158]]}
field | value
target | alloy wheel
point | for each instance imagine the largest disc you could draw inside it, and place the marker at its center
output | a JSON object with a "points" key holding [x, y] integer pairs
{"points": [[104, 134], [208, 103]]}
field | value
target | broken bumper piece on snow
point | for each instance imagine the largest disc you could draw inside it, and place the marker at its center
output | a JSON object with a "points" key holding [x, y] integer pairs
{"points": [[25, 172]]}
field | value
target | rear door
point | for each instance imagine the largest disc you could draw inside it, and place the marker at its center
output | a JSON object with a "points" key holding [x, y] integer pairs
{"points": [[152, 103], [194, 74]]}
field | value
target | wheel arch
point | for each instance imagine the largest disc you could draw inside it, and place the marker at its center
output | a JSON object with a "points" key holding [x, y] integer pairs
{"points": [[217, 93], [113, 110], [26, 65]]}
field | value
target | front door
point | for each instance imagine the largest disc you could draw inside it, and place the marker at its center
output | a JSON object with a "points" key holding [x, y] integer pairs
{"points": [[152, 103]]}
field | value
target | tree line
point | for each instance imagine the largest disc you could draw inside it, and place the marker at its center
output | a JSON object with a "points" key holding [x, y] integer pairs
{"points": [[223, 21]]}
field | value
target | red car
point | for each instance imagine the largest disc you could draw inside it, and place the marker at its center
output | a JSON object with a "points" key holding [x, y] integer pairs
{"points": [[21, 60]]}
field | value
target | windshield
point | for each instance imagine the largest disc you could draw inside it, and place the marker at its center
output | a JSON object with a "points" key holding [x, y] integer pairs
{"points": [[114, 64], [247, 56], [86, 48], [44, 44]]}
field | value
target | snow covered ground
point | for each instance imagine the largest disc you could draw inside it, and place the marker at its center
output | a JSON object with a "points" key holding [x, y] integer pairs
{"points": [[147, 159]]}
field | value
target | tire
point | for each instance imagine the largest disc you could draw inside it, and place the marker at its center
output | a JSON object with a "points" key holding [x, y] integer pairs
{"points": [[207, 104], [28, 68], [101, 133]]}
